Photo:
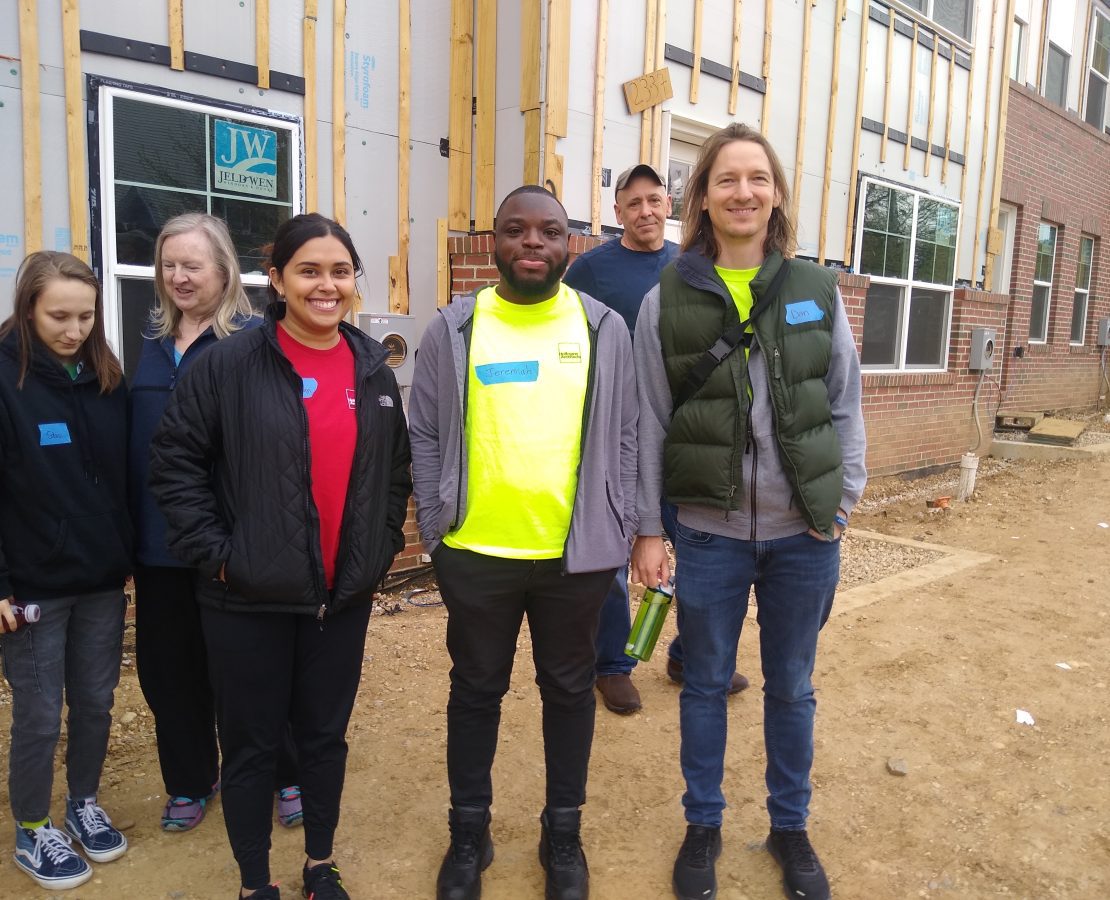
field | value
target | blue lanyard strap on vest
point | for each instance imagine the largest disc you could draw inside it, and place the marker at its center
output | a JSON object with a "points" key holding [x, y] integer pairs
{"points": [[732, 338]]}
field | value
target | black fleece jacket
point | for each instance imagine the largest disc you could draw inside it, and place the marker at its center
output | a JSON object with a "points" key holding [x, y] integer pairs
{"points": [[64, 526], [230, 469]]}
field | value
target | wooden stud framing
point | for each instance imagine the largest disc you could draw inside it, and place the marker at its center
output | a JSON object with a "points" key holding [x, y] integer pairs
{"points": [[799, 147], [857, 128], [657, 111], [695, 72], [649, 66], [339, 111], [932, 103], [965, 169], [830, 134], [399, 285], [600, 61], [986, 141], [32, 131], [485, 61], [530, 88], [1040, 52], [948, 115], [556, 97], [311, 196], [75, 132], [734, 87], [177, 35], [262, 41], [912, 100], [765, 115], [461, 125], [443, 264], [886, 84], [1000, 145]]}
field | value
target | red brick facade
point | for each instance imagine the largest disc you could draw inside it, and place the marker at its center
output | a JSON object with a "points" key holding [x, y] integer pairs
{"points": [[1057, 170]]}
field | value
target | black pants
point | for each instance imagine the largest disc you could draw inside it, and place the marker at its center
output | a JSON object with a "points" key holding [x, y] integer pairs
{"points": [[487, 598], [173, 673], [268, 669]]}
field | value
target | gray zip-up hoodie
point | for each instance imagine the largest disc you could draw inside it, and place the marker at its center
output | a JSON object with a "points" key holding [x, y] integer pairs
{"points": [[603, 521], [770, 510]]}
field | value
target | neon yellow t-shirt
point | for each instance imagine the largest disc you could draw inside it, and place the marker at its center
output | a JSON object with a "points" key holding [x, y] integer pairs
{"points": [[523, 430], [739, 284]]}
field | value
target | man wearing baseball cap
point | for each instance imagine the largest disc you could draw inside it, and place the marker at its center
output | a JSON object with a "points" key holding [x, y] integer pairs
{"points": [[619, 273]]}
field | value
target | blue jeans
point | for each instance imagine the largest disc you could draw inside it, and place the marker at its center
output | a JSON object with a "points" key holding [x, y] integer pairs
{"points": [[76, 647], [613, 628], [795, 580]]}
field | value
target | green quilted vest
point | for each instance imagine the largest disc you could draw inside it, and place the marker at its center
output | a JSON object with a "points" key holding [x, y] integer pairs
{"points": [[703, 451]]}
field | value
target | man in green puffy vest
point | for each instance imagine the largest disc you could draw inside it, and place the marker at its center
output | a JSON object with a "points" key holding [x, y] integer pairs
{"points": [[751, 424]]}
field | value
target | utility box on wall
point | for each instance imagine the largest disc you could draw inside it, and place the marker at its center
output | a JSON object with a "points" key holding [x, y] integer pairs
{"points": [[982, 349], [397, 333], [1103, 332]]}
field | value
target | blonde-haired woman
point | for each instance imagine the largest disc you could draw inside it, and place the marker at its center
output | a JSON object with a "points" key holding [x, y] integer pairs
{"points": [[200, 300]]}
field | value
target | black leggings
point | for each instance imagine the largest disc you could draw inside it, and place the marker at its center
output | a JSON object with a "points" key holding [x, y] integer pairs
{"points": [[268, 669]]}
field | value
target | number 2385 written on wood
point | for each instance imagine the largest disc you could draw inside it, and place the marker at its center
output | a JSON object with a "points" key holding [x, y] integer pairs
{"points": [[648, 90]]}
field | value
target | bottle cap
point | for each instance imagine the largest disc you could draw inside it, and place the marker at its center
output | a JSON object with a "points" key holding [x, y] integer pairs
{"points": [[667, 589], [31, 613]]}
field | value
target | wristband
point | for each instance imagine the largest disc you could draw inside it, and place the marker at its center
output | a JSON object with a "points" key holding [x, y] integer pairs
{"points": [[840, 520]]}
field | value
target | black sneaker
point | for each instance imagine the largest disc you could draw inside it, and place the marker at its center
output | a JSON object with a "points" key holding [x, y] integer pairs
{"points": [[322, 882], [568, 876], [802, 874], [694, 875], [270, 892], [470, 853]]}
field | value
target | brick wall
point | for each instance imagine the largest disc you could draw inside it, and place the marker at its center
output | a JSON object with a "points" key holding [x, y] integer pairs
{"points": [[472, 264], [1056, 170]]}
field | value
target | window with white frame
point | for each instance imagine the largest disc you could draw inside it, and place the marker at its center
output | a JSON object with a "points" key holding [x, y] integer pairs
{"points": [[163, 156], [1017, 50], [1042, 283], [952, 15], [907, 246], [1082, 290], [1056, 75], [1098, 73]]}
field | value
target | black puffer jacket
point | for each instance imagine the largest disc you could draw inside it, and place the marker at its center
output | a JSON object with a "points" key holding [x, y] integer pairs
{"points": [[230, 470]]}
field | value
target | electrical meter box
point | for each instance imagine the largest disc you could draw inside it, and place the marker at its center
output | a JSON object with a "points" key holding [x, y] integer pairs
{"points": [[982, 349], [1104, 332], [398, 335]]}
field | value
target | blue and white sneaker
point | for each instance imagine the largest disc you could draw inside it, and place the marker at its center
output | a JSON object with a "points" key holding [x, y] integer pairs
{"points": [[93, 830], [45, 854]]}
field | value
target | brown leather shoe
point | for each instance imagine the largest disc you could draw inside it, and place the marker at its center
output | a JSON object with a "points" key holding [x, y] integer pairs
{"points": [[674, 672], [618, 693]]}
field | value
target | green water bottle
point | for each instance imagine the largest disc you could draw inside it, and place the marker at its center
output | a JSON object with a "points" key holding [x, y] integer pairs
{"points": [[649, 622]]}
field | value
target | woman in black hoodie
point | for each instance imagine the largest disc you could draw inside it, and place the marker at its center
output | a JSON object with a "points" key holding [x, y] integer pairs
{"points": [[65, 545]]}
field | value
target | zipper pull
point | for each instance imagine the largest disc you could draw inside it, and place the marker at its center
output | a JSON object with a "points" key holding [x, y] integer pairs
{"points": [[778, 363], [731, 490], [320, 614]]}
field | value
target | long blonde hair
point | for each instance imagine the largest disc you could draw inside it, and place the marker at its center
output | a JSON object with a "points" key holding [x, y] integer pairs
{"points": [[697, 229], [234, 304]]}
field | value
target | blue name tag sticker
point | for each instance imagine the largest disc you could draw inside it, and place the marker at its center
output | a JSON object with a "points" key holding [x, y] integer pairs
{"points": [[52, 434], [508, 372], [308, 387], [803, 311]]}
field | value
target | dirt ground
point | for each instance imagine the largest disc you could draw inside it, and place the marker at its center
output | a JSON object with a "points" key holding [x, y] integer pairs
{"points": [[930, 670]]}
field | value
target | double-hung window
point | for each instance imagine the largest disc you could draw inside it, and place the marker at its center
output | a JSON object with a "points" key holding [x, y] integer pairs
{"points": [[162, 156], [908, 248], [1042, 283], [1082, 289], [952, 15], [1098, 73], [1056, 75]]}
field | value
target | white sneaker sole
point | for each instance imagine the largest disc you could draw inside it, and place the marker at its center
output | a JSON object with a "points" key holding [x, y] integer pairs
{"points": [[53, 884], [101, 856]]}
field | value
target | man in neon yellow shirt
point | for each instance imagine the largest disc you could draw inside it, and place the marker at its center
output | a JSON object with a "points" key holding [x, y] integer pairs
{"points": [[523, 420]]}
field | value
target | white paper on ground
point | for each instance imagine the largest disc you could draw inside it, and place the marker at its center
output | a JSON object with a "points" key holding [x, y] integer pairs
{"points": [[1023, 718]]}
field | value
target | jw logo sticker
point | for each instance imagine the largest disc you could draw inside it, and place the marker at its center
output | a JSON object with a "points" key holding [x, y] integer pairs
{"points": [[570, 353], [245, 160]]}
